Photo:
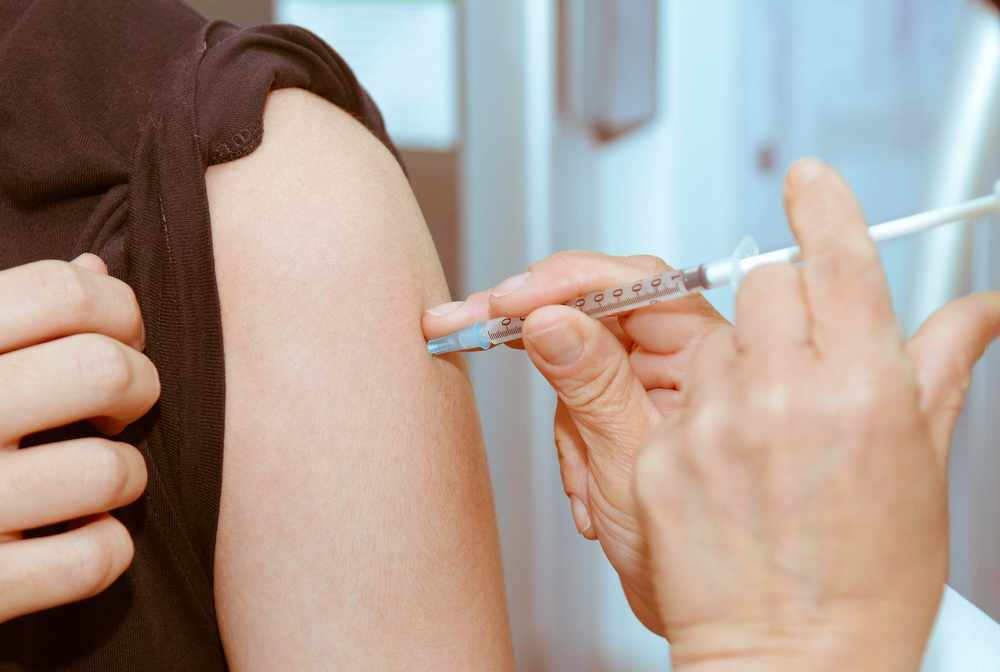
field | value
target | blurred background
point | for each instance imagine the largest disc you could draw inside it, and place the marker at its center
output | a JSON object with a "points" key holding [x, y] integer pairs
{"points": [[665, 127]]}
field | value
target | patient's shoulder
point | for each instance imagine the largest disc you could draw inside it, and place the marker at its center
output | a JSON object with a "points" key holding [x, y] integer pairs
{"points": [[321, 196], [307, 140]]}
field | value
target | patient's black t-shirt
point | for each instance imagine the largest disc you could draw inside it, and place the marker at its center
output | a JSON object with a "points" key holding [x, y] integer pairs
{"points": [[110, 111]]}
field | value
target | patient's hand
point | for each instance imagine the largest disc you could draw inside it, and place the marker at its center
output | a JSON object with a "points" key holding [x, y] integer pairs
{"points": [[616, 379], [797, 507], [70, 350]]}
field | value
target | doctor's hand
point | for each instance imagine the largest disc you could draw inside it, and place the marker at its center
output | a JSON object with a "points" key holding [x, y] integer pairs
{"points": [[796, 507], [616, 380], [70, 350]]}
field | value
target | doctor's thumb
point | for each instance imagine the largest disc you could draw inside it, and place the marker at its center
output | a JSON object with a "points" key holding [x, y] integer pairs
{"points": [[589, 369]]}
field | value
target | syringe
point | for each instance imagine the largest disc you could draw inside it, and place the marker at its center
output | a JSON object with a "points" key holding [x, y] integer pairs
{"points": [[697, 279]]}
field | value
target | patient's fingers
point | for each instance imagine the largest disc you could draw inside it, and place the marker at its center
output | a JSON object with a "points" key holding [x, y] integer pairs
{"points": [[46, 300], [49, 571], [82, 377], [56, 482], [92, 263]]}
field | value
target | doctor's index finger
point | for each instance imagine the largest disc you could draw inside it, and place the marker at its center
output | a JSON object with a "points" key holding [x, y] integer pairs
{"points": [[451, 317], [845, 286], [567, 275], [555, 280]]}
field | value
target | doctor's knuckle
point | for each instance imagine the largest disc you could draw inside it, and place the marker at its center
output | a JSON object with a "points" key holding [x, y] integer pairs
{"points": [[598, 393], [562, 264], [653, 467], [860, 259], [765, 278], [868, 394], [649, 264], [773, 401], [711, 423]]}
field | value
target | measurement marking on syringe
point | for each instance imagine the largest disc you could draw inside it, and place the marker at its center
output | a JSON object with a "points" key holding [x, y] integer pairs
{"points": [[504, 334], [621, 303], [616, 306]]}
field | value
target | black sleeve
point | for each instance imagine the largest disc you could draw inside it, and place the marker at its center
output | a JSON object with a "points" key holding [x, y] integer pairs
{"points": [[110, 112], [240, 68]]}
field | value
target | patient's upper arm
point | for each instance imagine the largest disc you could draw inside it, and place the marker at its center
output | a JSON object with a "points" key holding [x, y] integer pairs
{"points": [[356, 528]]}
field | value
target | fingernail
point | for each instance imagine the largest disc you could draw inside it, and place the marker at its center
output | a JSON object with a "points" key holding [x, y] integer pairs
{"points": [[805, 171], [142, 338], [580, 514], [445, 309], [79, 258], [510, 285], [559, 345]]}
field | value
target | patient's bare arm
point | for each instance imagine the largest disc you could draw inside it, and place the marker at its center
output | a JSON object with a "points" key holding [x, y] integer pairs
{"points": [[357, 528]]}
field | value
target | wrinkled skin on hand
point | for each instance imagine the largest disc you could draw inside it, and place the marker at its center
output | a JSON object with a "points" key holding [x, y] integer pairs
{"points": [[616, 379], [620, 378], [796, 506]]}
